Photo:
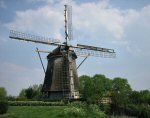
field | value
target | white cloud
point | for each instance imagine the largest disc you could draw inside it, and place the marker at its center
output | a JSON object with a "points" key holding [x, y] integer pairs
{"points": [[91, 20], [45, 20], [95, 17], [51, 1], [49, 19], [137, 32], [15, 77]]}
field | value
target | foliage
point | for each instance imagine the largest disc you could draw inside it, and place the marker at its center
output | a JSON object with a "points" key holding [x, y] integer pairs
{"points": [[94, 88], [11, 98], [105, 107], [121, 91], [33, 92], [139, 111], [34, 103], [30, 93], [145, 96], [3, 101], [3, 107], [74, 112], [83, 79], [83, 110], [22, 95], [3, 93], [124, 100], [140, 97], [135, 97]]}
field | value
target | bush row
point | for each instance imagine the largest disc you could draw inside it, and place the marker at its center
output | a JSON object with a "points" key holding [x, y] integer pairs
{"points": [[34, 103]]}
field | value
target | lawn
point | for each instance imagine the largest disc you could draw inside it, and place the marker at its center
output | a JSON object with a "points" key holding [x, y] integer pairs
{"points": [[70, 111], [33, 112], [52, 112]]}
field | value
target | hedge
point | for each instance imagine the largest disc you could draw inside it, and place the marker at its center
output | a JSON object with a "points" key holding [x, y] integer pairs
{"points": [[34, 103]]}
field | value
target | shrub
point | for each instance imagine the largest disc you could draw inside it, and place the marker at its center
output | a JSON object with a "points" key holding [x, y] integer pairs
{"points": [[3, 107], [73, 111], [96, 112], [83, 110], [105, 108], [3, 101]]}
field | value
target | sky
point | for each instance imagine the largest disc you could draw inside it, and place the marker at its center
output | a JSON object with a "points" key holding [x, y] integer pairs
{"points": [[122, 25]]}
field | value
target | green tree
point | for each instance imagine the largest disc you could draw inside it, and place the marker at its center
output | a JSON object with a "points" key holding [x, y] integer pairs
{"points": [[88, 88], [145, 96], [33, 92], [102, 85], [22, 94], [38, 92], [121, 91], [135, 97], [29, 93], [94, 88], [83, 80], [3, 93]]}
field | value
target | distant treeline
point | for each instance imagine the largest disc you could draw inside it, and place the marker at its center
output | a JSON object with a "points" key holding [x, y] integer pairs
{"points": [[122, 100]]}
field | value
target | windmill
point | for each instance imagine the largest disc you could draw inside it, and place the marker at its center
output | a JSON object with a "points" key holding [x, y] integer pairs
{"points": [[61, 78]]}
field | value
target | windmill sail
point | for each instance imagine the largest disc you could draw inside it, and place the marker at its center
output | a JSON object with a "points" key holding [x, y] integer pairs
{"points": [[94, 51], [85, 52], [32, 38], [69, 22]]}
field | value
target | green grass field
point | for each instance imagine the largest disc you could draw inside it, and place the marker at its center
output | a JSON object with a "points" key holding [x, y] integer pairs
{"points": [[34, 112], [52, 112], [69, 111]]}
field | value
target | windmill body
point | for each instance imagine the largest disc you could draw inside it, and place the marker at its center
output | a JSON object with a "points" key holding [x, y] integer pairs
{"points": [[61, 78]]}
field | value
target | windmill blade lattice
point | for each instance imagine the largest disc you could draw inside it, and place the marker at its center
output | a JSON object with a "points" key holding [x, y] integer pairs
{"points": [[94, 53], [32, 38], [69, 22]]}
